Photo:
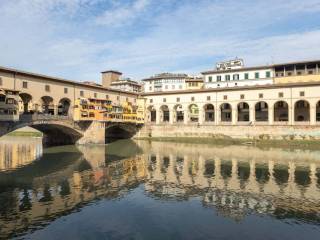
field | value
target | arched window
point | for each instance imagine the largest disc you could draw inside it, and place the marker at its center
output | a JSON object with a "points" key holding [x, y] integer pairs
{"points": [[280, 111], [243, 112], [261, 112]]}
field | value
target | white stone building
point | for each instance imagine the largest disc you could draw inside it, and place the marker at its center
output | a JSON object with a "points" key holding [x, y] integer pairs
{"points": [[237, 76], [165, 82], [127, 85]]}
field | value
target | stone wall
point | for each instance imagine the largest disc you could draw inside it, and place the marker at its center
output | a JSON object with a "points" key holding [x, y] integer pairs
{"points": [[237, 132]]}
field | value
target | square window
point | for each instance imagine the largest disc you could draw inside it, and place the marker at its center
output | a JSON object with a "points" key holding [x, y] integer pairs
{"points": [[218, 78], [25, 84], [192, 99], [299, 73], [151, 100], [208, 98], [310, 72], [210, 78], [178, 99], [227, 77], [107, 96], [280, 94], [268, 74], [47, 88], [225, 97], [302, 94], [246, 76], [150, 88], [81, 93], [235, 76], [65, 90], [164, 100], [95, 95], [256, 75], [289, 73], [242, 96], [260, 95]]}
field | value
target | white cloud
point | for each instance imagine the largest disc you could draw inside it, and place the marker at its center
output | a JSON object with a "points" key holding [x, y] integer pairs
{"points": [[122, 14], [67, 38]]}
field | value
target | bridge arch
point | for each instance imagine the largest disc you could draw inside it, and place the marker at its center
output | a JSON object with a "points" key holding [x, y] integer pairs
{"points": [[116, 131], [54, 132]]}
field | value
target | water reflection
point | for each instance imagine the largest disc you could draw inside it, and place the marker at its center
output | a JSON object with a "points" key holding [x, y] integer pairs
{"points": [[234, 181], [17, 152]]}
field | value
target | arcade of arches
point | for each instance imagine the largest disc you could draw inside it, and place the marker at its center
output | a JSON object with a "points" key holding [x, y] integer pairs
{"points": [[45, 105], [299, 112]]}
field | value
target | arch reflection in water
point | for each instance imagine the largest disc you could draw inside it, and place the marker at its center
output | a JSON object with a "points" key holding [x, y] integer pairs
{"points": [[234, 181]]}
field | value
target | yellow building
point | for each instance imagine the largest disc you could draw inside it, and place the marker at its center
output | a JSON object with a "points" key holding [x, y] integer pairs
{"points": [[194, 83], [308, 71]]}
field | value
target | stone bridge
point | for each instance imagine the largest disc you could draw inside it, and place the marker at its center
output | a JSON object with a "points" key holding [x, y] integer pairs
{"points": [[62, 130]]}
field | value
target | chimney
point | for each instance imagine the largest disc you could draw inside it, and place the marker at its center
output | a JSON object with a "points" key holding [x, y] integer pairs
{"points": [[110, 76]]}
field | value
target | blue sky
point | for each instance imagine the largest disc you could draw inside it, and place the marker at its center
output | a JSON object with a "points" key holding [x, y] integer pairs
{"points": [[77, 39]]}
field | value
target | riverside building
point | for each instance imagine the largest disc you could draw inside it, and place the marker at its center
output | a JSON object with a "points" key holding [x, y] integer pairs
{"points": [[166, 82], [127, 85], [234, 74]]}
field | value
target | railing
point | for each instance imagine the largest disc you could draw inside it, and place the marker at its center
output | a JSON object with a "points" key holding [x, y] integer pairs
{"points": [[39, 117]]}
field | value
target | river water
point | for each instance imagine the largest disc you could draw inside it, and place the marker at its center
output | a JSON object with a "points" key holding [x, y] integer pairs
{"points": [[154, 190]]}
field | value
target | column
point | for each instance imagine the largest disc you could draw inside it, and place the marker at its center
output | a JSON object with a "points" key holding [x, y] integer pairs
{"points": [[290, 114], [185, 117], [201, 117], [171, 116], [217, 116], [270, 114], [313, 114], [158, 116], [234, 115], [55, 109], [252, 117]]}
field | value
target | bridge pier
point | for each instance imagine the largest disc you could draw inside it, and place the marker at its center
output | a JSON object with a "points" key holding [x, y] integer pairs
{"points": [[94, 134]]}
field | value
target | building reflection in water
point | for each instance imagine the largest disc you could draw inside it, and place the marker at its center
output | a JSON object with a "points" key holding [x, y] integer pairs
{"points": [[234, 180], [17, 152]]}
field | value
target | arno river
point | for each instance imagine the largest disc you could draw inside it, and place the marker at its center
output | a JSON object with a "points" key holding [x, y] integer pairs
{"points": [[154, 190]]}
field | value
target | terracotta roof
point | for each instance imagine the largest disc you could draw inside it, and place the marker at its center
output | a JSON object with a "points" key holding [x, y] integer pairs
{"points": [[126, 81], [237, 70], [41, 76], [167, 75], [204, 90], [112, 71], [260, 67]]}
